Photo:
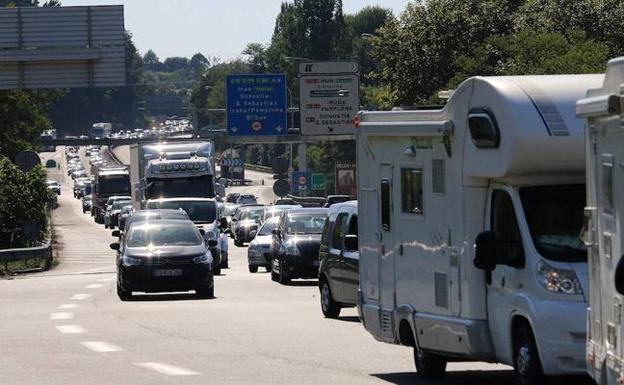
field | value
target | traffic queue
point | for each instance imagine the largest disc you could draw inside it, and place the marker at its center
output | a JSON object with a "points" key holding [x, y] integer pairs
{"points": [[477, 239]]}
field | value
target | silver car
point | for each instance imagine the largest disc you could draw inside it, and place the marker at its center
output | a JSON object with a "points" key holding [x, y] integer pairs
{"points": [[259, 251]]}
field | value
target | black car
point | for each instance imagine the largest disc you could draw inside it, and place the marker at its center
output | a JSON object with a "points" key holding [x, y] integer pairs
{"points": [[295, 244], [163, 255], [339, 255]]}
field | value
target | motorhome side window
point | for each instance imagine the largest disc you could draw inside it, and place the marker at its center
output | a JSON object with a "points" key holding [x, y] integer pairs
{"points": [[505, 226], [385, 204], [411, 191]]}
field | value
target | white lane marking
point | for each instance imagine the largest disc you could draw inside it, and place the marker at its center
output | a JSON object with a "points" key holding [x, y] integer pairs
{"points": [[78, 297], [61, 315], [101, 347], [69, 306], [94, 286], [71, 329], [168, 370]]}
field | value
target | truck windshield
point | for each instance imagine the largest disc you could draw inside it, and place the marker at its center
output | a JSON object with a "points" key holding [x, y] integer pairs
{"points": [[200, 187], [198, 211], [114, 185], [555, 217]]}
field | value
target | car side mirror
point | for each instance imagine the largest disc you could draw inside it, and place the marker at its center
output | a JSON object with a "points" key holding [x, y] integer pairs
{"points": [[115, 246], [275, 232], [619, 276], [252, 234], [212, 243], [202, 231], [223, 223], [351, 242], [116, 233], [485, 251]]}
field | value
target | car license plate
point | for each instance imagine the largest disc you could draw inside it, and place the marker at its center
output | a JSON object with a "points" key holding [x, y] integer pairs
{"points": [[168, 273], [316, 263]]}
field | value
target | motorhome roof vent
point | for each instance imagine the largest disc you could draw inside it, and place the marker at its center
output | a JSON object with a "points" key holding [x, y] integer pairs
{"points": [[483, 128]]}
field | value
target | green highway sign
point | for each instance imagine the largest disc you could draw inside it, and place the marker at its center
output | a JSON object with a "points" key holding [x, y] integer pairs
{"points": [[319, 182]]}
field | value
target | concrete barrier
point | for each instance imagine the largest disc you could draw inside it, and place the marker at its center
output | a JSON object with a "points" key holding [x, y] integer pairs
{"points": [[37, 258]]}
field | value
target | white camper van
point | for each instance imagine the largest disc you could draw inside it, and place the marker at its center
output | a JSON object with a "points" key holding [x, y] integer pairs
{"points": [[604, 110], [472, 250]]}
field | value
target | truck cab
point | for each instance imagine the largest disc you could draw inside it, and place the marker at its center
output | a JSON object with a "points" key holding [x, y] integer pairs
{"points": [[108, 182], [472, 251]]}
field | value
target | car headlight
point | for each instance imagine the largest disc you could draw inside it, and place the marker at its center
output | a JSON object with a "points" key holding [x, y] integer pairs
{"points": [[204, 259], [558, 280], [130, 261], [290, 248]]}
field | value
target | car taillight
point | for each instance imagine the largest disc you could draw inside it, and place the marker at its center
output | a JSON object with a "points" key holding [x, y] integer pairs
{"points": [[356, 121]]}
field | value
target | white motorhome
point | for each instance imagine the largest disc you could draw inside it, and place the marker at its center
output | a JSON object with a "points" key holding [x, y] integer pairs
{"points": [[501, 166], [604, 110]]}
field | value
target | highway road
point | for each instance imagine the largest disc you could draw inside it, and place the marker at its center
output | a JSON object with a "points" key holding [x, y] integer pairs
{"points": [[67, 326]]}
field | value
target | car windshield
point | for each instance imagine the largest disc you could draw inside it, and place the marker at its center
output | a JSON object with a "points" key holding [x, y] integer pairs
{"points": [[305, 224], [114, 184], [268, 227], [153, 235], [198, 211], [555, 216], [254, 215], [246, 199], [198, 187]]}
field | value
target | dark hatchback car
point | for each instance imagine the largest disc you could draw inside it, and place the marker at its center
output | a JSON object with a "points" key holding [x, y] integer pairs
{"points": [[295, 244], [163, 256], [339, 255]]}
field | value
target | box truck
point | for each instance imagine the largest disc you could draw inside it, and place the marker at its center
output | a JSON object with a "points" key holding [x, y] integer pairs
{"points": [[171, 170], [472, 249], [603, 109]]}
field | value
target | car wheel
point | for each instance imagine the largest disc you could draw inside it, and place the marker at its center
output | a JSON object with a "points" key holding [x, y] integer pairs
{"points": [[253, 269], [237, 243], [268, 268], [123, 295], [105, 225], [283, 278], [274, 276], [225, 263], [207, 292], [527, 364], [429, 366], [217, 269], [330, 308]]}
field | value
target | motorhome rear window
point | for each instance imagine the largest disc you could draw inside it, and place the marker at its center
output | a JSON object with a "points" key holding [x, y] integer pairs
{"points": [[411, 191], [385, 205]]}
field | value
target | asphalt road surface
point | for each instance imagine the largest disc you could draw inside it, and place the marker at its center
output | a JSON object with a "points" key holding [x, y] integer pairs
{"points": [[67, 326]]}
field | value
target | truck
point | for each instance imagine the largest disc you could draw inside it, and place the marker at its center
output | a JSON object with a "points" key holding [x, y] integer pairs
{"points": [[232, 166], [472, 248], [603, 110], [108, 182], [171, 170], [101, 130]]}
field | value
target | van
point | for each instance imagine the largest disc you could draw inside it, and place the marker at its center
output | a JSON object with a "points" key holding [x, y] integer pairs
{"points": [[471, 250], [603, 110], [339, 259]]}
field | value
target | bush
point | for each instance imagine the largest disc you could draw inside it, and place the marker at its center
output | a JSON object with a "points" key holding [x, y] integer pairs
{"points": [[24, 198]]}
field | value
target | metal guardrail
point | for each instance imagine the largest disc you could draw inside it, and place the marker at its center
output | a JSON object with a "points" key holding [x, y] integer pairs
{"points": [[24, 254], [255, 167]]}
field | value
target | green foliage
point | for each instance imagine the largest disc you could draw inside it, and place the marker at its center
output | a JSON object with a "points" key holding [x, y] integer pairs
{"points": [[23, 198], [23, 117], [437, 43]]}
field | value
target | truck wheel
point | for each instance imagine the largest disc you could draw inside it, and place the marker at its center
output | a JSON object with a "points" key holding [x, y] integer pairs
{"points": [[526, 361], [253, 269], [330, 308], [123, 295], [429, 366]]}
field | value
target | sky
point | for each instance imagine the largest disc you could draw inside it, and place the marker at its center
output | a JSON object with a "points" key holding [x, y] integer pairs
{"points": [[221, 28]]}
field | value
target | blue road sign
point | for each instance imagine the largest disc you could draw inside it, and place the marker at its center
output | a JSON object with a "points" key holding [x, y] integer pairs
{"points": [[301, 182], [256, 104]]}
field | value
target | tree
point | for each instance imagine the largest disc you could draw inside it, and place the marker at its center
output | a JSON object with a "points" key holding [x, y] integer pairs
{"points": [[198, 65], [152, 62]]}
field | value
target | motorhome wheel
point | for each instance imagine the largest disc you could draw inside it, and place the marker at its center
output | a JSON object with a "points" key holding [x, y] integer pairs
{"points": [[527, 363], [429, 366]]}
